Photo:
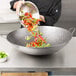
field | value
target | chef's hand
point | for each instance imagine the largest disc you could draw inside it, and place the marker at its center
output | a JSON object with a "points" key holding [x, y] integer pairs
{"points": [[42, 18], [17, 6]]}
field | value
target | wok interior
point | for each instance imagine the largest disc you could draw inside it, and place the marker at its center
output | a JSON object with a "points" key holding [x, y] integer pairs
{"points": [[54, 35]]}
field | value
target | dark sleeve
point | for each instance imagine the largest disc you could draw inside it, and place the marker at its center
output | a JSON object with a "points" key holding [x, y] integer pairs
{"points": [[53, 14], [12, 3]]}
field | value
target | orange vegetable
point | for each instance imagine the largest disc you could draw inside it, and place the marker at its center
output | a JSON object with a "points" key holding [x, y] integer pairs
{"points": [[30, 22]]}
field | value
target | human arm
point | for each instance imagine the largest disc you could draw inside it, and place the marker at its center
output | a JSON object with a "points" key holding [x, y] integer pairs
{"points": [[53, 14]]}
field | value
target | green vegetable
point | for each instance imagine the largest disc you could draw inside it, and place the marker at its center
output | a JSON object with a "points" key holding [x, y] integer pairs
{"points": [[28, 37], [48, 45], [3, 54], [34, 27], [40, 33], [34, 33]]}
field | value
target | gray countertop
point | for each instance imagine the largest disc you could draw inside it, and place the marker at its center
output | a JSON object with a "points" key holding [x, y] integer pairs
{"points": [[65, 59]]}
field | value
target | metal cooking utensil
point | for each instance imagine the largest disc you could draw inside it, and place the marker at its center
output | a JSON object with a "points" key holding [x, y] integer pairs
{"points": [[57, 37], [29, 7]]}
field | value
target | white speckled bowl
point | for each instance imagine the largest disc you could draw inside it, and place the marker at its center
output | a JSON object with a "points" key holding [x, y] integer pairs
{"points": [[3, 59]]}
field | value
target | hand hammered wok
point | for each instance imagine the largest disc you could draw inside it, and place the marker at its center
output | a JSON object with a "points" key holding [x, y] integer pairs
{"points": [[57, 37]]}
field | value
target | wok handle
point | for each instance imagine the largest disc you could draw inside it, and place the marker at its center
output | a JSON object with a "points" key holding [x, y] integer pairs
{"points": [[72, 30]]}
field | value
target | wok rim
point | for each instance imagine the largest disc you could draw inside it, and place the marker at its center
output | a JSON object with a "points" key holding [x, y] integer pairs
{"points": [[41, 47]]}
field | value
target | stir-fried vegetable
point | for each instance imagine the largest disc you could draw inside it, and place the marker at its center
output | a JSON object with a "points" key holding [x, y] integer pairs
{"points": [[32, 26], [3, 54]]}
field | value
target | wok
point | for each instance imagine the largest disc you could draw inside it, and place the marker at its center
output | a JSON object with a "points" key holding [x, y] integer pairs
{"points": [[56, 36]]}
